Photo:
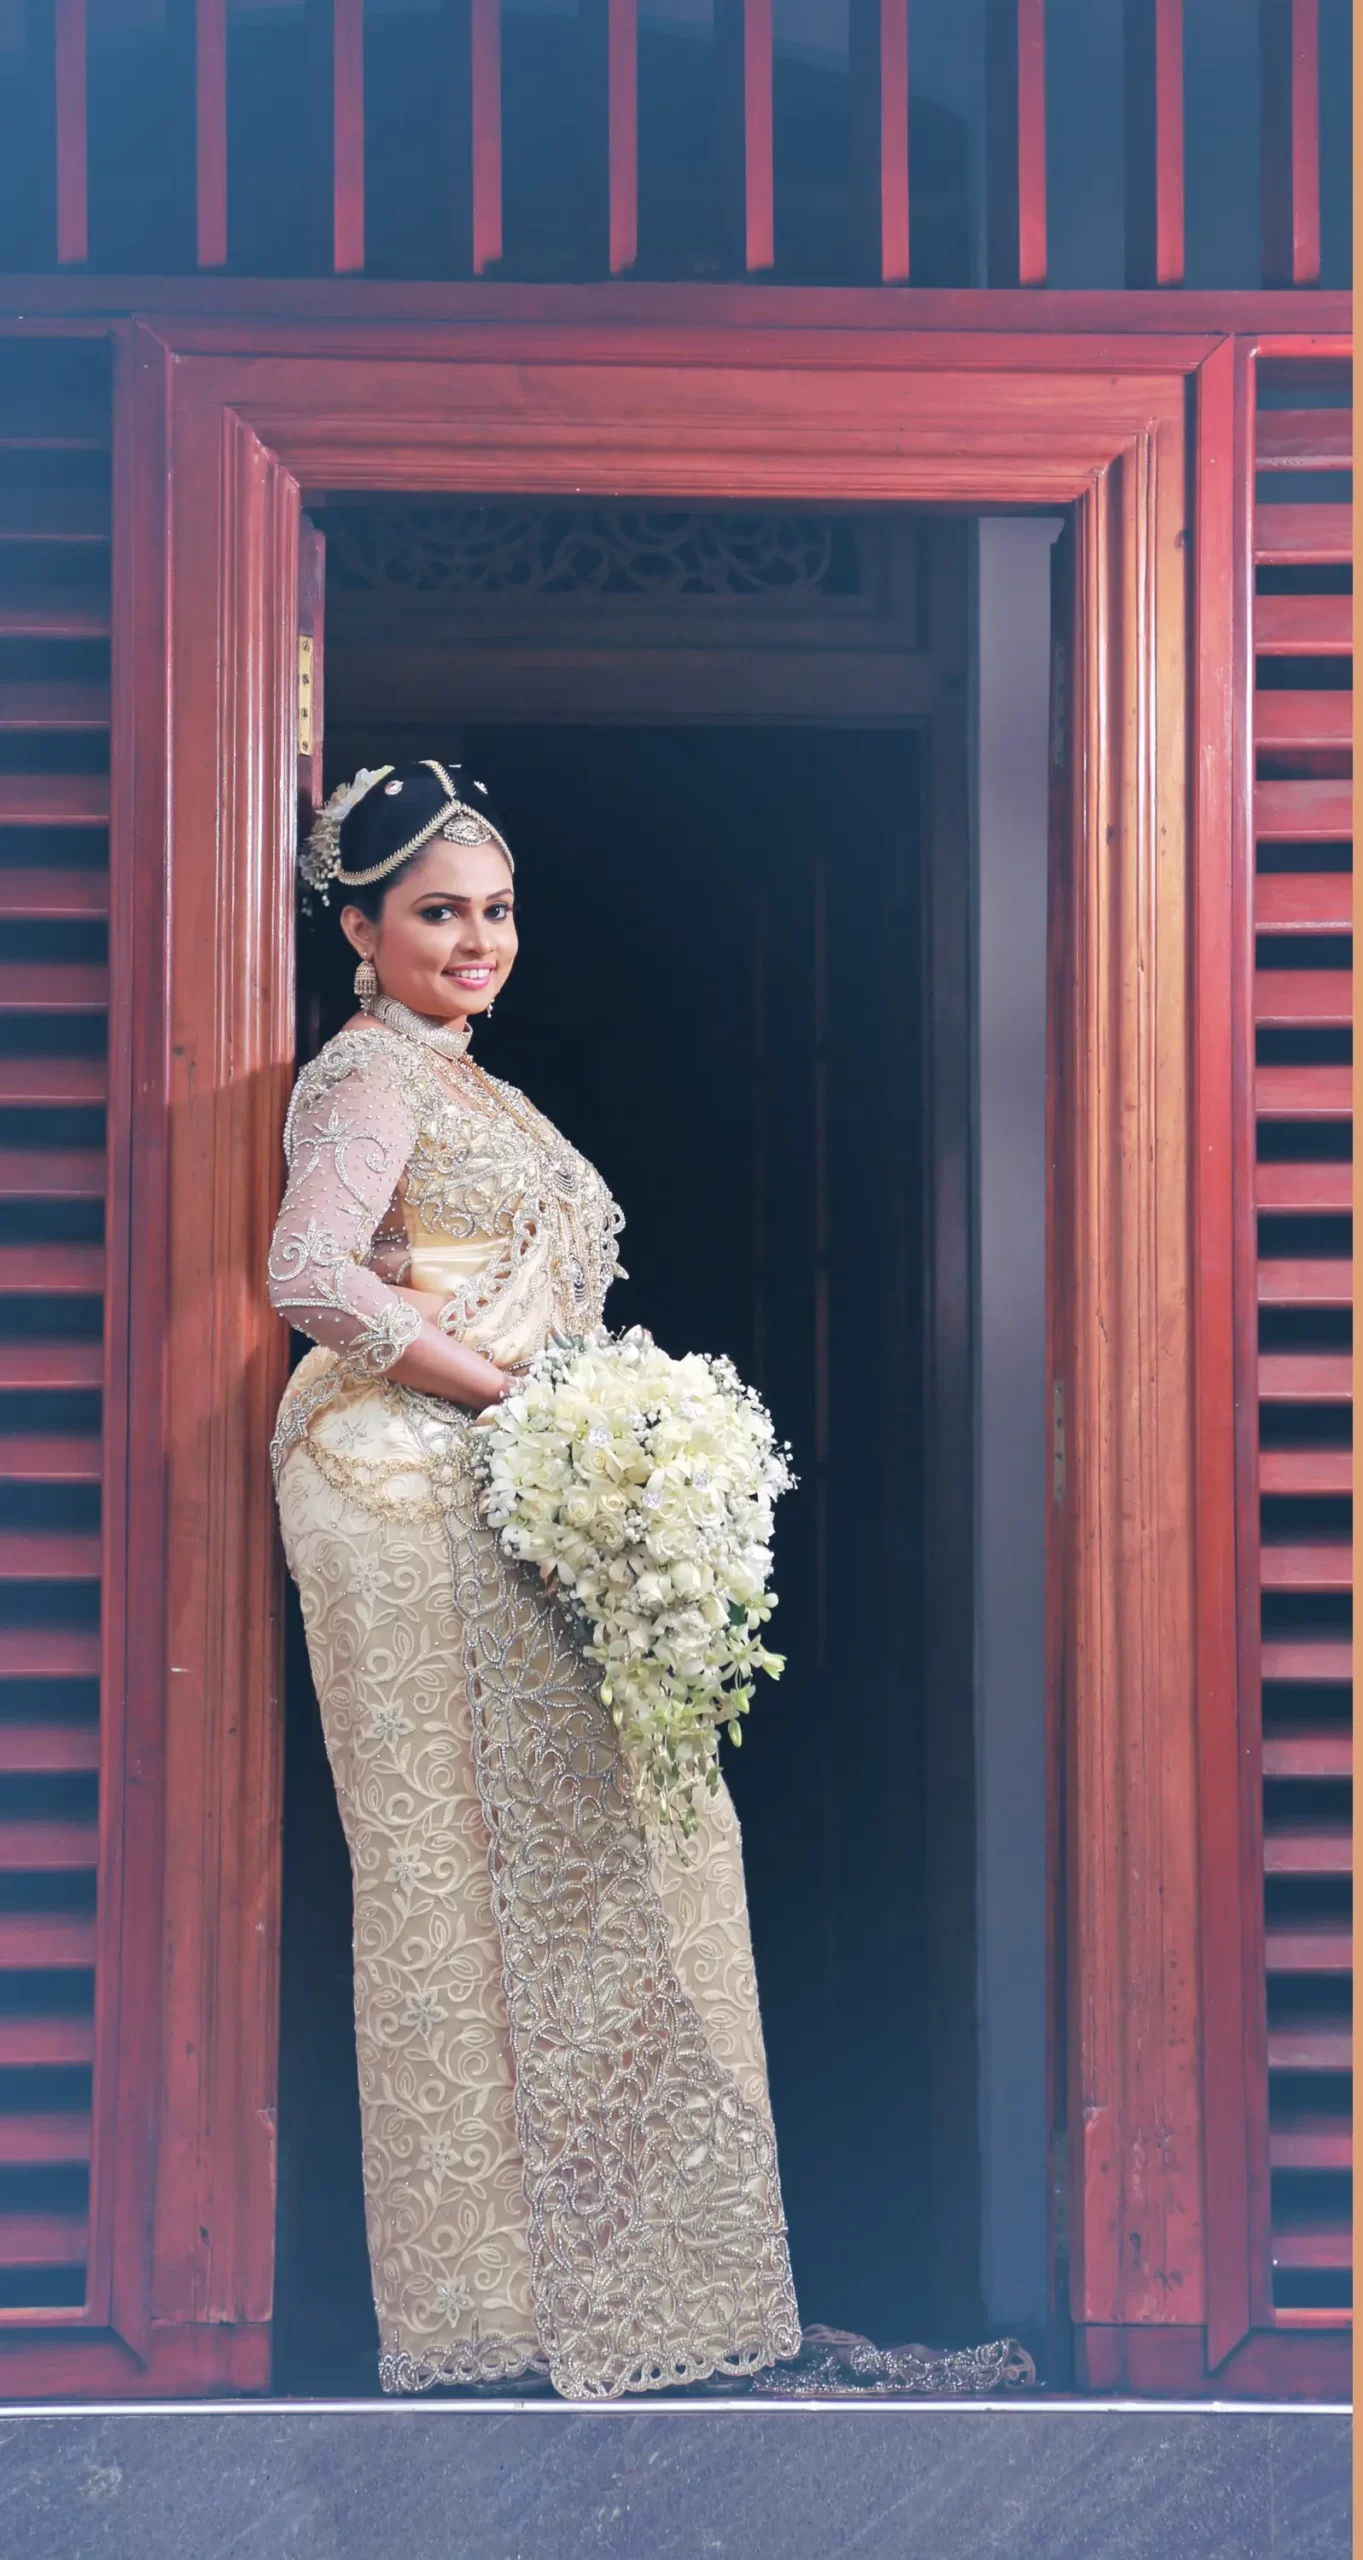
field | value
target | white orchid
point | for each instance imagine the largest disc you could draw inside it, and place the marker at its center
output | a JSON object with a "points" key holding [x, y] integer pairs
{"points": [[643, 1486]]}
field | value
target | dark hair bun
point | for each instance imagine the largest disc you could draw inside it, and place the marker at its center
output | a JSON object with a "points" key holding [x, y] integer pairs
{"points": [[406, 809]]}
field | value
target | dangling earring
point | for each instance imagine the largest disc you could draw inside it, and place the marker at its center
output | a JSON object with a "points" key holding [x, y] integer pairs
{"points": [[491, 1001], [366, 981]]}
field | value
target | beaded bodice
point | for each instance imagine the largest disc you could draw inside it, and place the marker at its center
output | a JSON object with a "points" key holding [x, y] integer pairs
{"points": [[404, 1166]]}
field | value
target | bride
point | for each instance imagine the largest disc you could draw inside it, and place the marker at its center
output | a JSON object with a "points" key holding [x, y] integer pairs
{"points": [[569, 2162]]}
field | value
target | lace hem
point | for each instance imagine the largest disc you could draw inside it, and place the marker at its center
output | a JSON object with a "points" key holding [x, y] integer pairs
{"points": [[465, 2362], [837, 2364]]}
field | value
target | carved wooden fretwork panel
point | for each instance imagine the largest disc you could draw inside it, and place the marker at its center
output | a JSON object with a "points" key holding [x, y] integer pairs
{"points": [[606, 552]]}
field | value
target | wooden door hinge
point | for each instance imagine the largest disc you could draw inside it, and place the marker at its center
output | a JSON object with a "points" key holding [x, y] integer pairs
{"points": [[304, 694]]}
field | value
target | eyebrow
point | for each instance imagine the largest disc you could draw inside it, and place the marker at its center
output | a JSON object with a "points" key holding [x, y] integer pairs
{"points": [[461, 898]]}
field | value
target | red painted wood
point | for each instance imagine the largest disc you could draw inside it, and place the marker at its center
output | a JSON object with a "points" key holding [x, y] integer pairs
{"points": [[51, 615], [37, 986], [1154, 141], [51, 1270], [1310, 1751], [743, 31], [1315, 2142], [1303, 901], [1327, 2048], [1169, 2361], [485, 91], [52, 1080], [48, 1653], [67, 1173], [1303, 1093], [54, 706], [1316, 2244], [1303, 533], [1304, 1186], [43, 2141], [48, 1747], [1304, 440], [42, 2239], [1031, 149], [73, 211], [1307, 1568], [1306, 1377], [1308, 1662], [1305, 1849], [53, 892], [1290, 90], [31, 1848], [1304, 626], [1303, 996], [210, 131], [622, 113], [1015, 98], [47, 1458], [347, 136], [59, 424], [879, 63], [1302, 720], [54, 800], [48, 1555], [1303, 812], [63, 515], [1306, 1284], [1306, 1471]]}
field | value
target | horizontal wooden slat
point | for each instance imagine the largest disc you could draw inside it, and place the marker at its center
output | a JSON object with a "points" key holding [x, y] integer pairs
{"points": [[49, 1457], [53, 423], [48, 1653], [1288, 902], [1307, 1568], [1309, 1751], [29, 892], [56, 1173], [1308, 1849], [41, 1848], [1306, 1377], [1305, 530], [44, 2141], [1303, 812], [1303, 626], [47, 1748], [1317, 2048], [40, 986], [54, 706], [49, 1555], [1301, 998], [50, 1364], [1323, 2244], [1306, 1284], [46, 1942], [1289, 1950], [57, 1270], [42, 2239], [53, 613], [1307, 1660], [1283, 721], [59, 515], [1311, 2142], [1296, 1470], [1304, 439], [1303, 1093], [54, 799], [1324, 1188]]}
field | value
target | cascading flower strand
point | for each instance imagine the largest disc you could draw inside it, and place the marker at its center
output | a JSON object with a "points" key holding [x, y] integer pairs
{"points": [[643, 1486]]}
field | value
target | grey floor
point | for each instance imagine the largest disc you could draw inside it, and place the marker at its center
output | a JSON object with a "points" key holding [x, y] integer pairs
{"points": [[546, 2483]]}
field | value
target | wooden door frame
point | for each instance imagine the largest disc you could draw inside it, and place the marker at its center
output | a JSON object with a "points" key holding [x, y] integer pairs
{"points": [[223, 423]]}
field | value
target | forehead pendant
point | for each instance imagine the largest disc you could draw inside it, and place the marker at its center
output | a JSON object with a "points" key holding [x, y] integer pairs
{"points": [[466, 829]]}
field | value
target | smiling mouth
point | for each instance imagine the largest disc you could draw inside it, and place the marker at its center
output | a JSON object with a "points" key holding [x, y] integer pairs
{"points": [[469, 977]]}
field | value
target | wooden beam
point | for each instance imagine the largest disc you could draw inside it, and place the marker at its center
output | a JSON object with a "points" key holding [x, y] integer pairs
{"points": [[880, 112], [743, 30], [1015, 141], [485, 92], [210, 132], [347, 136], [622, 117], [1154, 142], [1290, 57], [73, 192]]}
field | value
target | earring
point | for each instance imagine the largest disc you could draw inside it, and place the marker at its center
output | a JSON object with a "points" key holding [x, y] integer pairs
{"points": [[490, 1005], [366, 981]]}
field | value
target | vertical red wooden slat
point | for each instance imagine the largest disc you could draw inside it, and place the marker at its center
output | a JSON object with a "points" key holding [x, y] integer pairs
{"points": [[1031, 42], [347, 129], [1289, 45], [210, 131], [73, 195], [622, 110], [485, 88], [1154, 142], [894, 141], [759, 224], [1015, 65]]}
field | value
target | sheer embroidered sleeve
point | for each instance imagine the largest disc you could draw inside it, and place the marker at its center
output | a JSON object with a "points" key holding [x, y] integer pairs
{"points": [[349, 1134]]}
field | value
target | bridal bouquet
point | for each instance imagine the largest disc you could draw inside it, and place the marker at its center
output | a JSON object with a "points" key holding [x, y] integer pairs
{"points": [[643, 1486]]}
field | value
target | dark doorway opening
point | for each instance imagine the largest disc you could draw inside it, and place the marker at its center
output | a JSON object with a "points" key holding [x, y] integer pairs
{"points": [[722, 998]]}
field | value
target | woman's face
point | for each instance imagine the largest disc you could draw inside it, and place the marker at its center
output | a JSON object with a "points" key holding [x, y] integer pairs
{"points": [[445, 939]]}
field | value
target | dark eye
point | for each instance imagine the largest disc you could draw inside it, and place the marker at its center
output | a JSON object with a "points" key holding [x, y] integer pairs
{"points": [[498, 912]]}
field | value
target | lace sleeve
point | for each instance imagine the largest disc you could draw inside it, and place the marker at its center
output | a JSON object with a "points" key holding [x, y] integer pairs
{"points": [[347, 1142]]}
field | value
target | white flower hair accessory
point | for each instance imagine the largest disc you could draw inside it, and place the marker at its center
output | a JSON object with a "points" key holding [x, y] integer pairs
{"points": [[320, 860]]}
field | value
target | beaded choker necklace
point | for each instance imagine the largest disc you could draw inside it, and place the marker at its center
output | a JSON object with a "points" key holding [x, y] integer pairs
{"points": [[450, 1039]]}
